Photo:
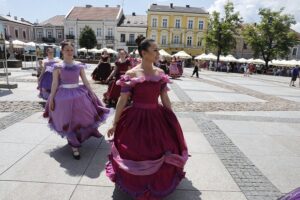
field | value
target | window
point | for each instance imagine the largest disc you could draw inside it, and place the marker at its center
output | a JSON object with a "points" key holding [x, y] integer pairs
{"points": [[190, 24], [154, 22], [199, 43], [110, 32], [122, 38], [294, 51], [189, 41], [16, 33], [177, 23], [59, 34], [131, 38], [245, 46], [154, 37], [71, 31], [164, 39], [176, 39], [49, 34], [99, 32], [24, 34], [201, 25], [165, 23], [39, 34]]}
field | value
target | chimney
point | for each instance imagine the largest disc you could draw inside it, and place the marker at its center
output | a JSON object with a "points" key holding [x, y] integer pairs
{"points": [[22, 19], [118, 6], [106, 6], [16, 18], [171, 5], [88, 6], [8, 14], [133, 14], [154, 4], [187, 6]]}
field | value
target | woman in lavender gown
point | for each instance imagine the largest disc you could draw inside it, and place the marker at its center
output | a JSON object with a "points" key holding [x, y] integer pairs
{"points": [[74, 110]]}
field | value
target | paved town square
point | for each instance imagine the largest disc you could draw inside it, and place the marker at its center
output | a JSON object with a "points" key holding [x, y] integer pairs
{"points": [[242, 134]]}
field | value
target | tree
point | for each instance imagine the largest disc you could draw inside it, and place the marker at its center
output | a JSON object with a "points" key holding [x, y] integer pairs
{"points": [[272, 37], [221, 32], [87, 38]]}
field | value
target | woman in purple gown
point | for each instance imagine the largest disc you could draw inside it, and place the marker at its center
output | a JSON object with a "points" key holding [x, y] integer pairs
{"points": [[148, 150], [45, 79], [74, 110]]}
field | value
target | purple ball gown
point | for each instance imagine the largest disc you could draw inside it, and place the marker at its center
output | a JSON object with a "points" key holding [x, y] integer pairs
{"points": [[77, 113], [148, 150], [46, 79]]}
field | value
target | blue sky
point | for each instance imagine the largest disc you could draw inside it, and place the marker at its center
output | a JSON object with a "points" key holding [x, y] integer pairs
{"points": [[41, 10]]}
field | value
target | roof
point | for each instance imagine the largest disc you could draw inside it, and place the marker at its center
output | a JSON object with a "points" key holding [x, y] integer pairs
{"points": [[134, 21], [94, 13], [12, 19], [57, 20], [168, 8]]}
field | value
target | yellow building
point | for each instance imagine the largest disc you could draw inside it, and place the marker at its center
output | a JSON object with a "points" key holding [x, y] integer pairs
{"points": [[178, 28]]}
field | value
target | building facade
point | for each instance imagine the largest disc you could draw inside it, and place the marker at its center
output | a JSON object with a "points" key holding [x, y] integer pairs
{"points": [[178, 28], [130, 27], [17, 29], [103, 20], [50, 31]]}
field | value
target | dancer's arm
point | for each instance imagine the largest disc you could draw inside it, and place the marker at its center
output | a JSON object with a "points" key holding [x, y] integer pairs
{"points": [[54, 87], [85, 81], [113, 73]]}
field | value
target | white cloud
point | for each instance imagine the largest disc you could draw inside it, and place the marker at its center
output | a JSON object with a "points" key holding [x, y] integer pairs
{"points": [[249, 8]]}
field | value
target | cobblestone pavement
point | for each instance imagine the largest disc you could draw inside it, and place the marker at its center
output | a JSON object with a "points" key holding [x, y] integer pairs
{"points": [[247, 176]]}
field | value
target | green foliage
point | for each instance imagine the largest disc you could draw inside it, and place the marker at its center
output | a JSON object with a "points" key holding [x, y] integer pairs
{"points": [[221, 32], [272, 37], [87, 38]]}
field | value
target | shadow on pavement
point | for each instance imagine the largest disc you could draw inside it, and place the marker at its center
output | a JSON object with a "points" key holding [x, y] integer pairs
{"points": [[5, 92], [191, 193]]}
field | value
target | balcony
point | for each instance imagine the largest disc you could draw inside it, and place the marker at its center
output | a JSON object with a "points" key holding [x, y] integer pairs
{"points": [[109, 37], [131, 43], [70, 37], [48, 39]]}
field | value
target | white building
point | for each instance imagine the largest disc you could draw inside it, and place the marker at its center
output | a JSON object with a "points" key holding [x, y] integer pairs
{"points": [[103, 20], [132, 26]]}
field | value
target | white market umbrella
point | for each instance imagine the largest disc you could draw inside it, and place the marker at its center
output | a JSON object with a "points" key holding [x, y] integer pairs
{"points": [[242, 60], [258, 61], [200, 57], [109, 50], [162, 52], [210, 56], [94, 50], [182, 54], [292, 63], [230, 58], [84, 50], [30, 44], [18, 44]]}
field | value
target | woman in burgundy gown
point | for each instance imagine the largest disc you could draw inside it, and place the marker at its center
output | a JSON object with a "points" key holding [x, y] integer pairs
{"points": [[148, 150], [103, 69], [113, 92]]}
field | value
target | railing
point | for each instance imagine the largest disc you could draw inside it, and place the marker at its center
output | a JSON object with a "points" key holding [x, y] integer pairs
{"points": [[48, 39], [109, 37], [71, 37], [131, 43]]}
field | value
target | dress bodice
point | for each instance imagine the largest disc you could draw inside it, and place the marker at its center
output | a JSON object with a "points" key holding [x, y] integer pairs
{"points": [[144, 89], [104, 59], [122, 67], [69, 73], [49, 64]]}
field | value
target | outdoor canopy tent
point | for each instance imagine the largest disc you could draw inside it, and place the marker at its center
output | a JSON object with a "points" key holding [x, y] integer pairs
{"points": [[182, 54], [162, 52]]}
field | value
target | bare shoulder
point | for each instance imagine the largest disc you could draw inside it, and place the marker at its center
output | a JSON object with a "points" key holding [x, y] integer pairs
{"points": [[158, 70]]}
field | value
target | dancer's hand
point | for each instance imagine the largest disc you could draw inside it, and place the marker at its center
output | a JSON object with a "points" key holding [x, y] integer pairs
{"points": [[111, 131], [52, 104]]}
